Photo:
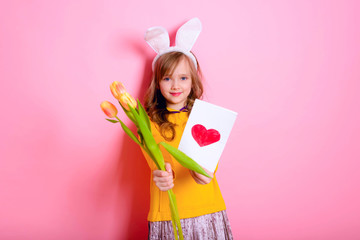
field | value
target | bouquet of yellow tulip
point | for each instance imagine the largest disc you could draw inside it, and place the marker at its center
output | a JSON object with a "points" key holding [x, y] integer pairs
{"points": [[137, 114]]}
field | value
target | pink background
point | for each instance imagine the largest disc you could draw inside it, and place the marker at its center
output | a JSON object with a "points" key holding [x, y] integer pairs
{"points": [[289, 68]]}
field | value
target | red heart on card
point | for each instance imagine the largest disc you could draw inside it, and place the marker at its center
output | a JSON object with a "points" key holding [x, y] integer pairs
{"points": [[203, 136]]}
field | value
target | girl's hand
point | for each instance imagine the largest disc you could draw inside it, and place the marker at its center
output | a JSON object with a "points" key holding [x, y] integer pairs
{"points": [[201, 179], [164, 180]]}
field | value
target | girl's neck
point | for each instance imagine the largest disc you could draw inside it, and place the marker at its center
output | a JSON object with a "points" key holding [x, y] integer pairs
{"points": [[175, 106]]}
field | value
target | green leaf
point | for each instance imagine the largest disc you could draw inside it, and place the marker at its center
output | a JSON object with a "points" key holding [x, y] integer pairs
{"points": [[129, 132], [184, 159], [151, 156], [112, 120], [141, 136], [143, 114]]}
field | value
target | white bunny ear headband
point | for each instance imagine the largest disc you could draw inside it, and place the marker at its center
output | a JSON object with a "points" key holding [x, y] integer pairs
{"points": [[158, 39]]}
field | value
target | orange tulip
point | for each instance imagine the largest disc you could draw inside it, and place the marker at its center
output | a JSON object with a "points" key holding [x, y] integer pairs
{"points": [[109, 109], [126, 99], [117, 88]]}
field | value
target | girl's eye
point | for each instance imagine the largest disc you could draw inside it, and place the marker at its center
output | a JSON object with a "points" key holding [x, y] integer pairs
{"points": [[166, 79], [183, 78]]}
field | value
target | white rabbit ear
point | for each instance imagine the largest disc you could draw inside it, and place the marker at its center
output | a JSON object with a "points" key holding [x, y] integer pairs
{"points": [[157, 38], [188, 33]]}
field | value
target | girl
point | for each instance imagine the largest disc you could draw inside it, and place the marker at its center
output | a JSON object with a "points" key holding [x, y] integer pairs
{"points": [[175, 84]]}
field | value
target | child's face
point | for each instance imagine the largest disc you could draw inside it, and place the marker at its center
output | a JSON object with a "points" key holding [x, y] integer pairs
{"points": [[177, 87]]}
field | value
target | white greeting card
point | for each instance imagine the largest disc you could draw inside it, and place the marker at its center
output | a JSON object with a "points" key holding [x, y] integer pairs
{"points": [[206, 133]]}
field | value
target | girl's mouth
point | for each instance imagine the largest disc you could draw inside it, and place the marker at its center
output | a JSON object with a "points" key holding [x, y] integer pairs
{"points": [[175, 94]]}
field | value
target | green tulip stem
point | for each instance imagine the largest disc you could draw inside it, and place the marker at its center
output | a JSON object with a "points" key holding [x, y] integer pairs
{"points": [[149, 140], [129, 114], [128, 131], [175, 215]]}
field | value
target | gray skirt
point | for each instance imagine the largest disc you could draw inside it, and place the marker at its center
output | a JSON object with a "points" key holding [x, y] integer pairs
{"points": [[211, 226]]}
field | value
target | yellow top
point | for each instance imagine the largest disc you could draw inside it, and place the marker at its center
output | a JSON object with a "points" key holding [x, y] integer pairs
{"points": [[192, 199]]}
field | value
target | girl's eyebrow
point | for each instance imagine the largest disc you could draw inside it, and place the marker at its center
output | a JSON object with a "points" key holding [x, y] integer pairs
{"points": [[180, 74]]}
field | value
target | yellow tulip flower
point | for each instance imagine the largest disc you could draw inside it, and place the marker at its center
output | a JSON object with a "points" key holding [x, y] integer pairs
{"points": [[109, 109], [117, 88], [126, 99]]}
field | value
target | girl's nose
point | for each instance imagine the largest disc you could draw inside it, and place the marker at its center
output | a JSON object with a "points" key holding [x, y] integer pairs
{"points": [[175, 84]]}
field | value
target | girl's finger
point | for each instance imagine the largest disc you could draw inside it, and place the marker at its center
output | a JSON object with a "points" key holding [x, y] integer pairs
{"points": [[163, 179], [199, 178], [160, 173], [168, 167], [165, 186]]}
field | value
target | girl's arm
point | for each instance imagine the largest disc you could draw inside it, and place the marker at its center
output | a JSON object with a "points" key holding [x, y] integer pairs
{"points": [[201, 179]]}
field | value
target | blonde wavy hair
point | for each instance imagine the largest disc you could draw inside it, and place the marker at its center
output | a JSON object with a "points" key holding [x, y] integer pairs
{"points": [[155, 103]]}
